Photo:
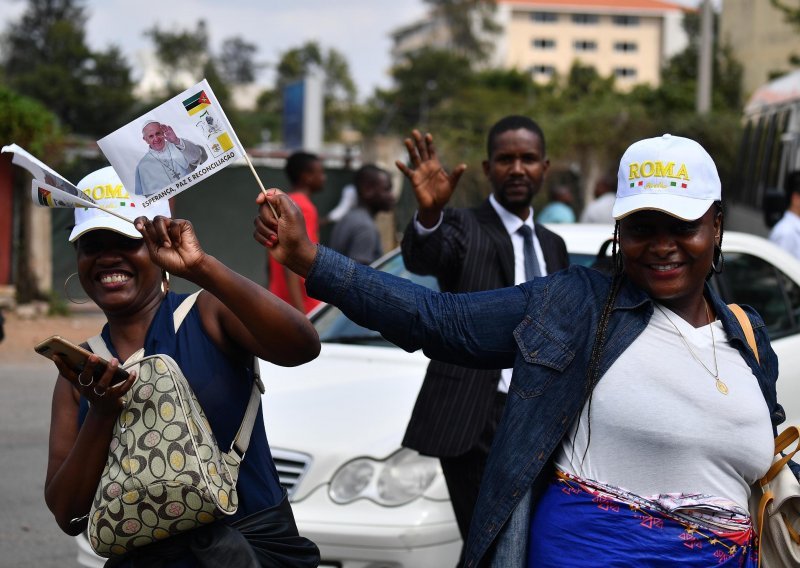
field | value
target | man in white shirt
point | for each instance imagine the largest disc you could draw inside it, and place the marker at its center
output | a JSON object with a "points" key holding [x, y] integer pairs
{"points": [[490, 246], [786, 233], [599, 210]]}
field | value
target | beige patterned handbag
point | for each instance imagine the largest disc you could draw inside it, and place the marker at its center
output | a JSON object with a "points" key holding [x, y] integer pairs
{"points": [[775, 498], [165, 473]]}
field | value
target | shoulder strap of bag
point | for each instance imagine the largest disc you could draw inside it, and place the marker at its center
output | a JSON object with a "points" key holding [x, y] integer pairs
{"points": [[242, 439], [783, 441], [747, 327]]}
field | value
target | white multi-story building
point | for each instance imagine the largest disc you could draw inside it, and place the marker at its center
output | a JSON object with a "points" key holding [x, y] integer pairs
{"points": [[630, 39]]}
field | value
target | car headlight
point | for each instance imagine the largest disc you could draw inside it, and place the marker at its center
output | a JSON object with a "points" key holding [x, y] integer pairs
{"points": [[400, 478]]}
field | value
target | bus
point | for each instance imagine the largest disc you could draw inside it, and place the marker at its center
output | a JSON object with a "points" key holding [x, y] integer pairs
{"points": [[769, 150]]}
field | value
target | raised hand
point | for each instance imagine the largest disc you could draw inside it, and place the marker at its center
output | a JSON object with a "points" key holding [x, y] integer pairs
{"points": [[169, 134], [281, 228], [433, 186], [172, 244]]}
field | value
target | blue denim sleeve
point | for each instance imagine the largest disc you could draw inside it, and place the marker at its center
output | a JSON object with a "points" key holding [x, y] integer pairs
{"points": [[474, 330]]}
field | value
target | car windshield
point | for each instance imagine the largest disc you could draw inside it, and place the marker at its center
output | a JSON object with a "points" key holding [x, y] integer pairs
{"points": [[334, 327]]}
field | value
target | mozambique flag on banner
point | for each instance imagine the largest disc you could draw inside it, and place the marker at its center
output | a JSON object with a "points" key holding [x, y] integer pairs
{"points": [[196, 103], [45, 198]]}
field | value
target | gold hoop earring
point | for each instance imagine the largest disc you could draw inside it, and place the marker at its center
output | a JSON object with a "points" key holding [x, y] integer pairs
{"points": [[165, 283], [66, 291]]}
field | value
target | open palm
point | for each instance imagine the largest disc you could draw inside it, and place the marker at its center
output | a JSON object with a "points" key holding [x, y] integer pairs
{"points": [[433, 186]]}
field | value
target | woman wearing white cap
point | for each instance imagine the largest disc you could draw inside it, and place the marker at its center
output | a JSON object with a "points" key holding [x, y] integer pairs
{"points": [[122, 269], [637, 415]]}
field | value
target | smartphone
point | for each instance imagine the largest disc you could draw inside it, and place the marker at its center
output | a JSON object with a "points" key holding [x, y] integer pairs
{"points": [[75, 356]]}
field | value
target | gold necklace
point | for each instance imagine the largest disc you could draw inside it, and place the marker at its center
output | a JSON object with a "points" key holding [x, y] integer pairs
{"points": [[721, 386]]}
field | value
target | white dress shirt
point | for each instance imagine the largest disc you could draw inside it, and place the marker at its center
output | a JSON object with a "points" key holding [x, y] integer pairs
{"points": [[786, 233], [512, 223]]}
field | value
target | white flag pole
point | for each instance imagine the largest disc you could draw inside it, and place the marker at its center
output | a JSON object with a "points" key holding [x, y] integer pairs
{"points": [[258, 179], [110, 212]]}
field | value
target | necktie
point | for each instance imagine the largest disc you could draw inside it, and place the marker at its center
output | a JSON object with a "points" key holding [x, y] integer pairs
{"points": [[532, 269]]}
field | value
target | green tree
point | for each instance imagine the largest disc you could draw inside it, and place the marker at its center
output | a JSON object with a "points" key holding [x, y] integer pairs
{"points": [[236, 61], [339, 87], [420, 89], [679, 77], [28, 123], [471, 24], [181, 51], [46, 57]]}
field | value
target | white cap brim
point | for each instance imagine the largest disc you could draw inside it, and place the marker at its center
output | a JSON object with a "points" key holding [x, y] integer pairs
{"points": [[680, 206], [106, 222]]}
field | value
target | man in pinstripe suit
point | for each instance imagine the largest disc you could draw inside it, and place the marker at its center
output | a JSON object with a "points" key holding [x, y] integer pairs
{"points": [[458, 409]]}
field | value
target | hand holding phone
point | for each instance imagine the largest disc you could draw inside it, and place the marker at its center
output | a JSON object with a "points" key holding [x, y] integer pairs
{"points": [[76, 357]]}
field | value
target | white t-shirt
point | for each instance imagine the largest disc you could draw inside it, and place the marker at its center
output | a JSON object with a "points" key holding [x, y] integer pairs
{"points": [[599, 210], [659, 424], [786, 233]]}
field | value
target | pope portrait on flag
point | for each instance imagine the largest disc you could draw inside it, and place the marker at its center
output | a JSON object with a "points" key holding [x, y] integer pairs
{"points": [[168, 158], [187, 139]]}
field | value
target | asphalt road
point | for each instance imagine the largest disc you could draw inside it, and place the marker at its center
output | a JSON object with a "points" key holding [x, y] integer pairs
{"points": [[29, 535]]}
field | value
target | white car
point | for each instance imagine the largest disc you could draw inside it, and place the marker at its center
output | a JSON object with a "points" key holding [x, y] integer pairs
{"points": [[335, 425]]}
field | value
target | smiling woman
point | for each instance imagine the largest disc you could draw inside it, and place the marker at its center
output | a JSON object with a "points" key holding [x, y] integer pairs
{"points": [[123, 270], [622, 384]]}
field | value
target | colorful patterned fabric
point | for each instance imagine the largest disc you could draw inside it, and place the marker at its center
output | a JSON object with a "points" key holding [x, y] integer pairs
{"points": [[579, 523]]}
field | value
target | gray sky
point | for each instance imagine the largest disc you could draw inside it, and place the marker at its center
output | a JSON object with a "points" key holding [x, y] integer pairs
{"points": [[357, 28]]}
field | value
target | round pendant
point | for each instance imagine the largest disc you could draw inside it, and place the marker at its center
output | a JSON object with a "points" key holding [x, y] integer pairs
{"points": [[722, 387]]}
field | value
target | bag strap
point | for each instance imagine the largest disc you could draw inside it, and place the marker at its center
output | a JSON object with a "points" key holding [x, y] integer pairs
{"points": [[183, 310], [783, 441], [747, 327], [242, 439]]}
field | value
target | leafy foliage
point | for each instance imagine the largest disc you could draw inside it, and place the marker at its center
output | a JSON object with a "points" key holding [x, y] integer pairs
{"points": [[339, 90], [27, 122], [471, 25], [237, 61], [46, 57], [182, 50]]}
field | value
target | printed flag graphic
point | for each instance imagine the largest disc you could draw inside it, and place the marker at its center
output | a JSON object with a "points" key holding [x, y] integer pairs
{"points": [[173, 146], [48, 188], [196, 103]]}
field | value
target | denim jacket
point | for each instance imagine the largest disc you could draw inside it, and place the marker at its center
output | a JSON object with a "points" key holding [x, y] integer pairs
{"points": [[545, 329]]}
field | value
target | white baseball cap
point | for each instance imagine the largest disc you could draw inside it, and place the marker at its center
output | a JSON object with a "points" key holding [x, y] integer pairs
{"points": [[105, 187], [670, 174]]}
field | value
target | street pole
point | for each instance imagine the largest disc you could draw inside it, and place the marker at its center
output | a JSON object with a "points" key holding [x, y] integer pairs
{"points": [[704, 60]]}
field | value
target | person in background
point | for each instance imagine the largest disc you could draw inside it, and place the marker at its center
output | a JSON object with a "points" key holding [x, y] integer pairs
{"points": [[122, 268], [559, 208], [599, 210], [356, 235], [347, 200], [493, 245], [786, 232], [638, 415], [306, 177]]}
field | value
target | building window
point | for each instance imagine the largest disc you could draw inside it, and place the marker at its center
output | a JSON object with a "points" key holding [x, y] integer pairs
{"points": [[544, 17], [625, 72], [542, 43], [584, 45], [625, 20], [585, 19], [543, 70], [626, 46]]}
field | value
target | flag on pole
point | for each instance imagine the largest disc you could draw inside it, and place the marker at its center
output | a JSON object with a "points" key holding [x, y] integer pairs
{"points": [[51, 189], [174, 146], [48, 188]]}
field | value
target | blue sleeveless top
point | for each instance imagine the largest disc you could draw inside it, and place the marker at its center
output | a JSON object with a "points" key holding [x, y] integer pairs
{"points": [[223, 388]]}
